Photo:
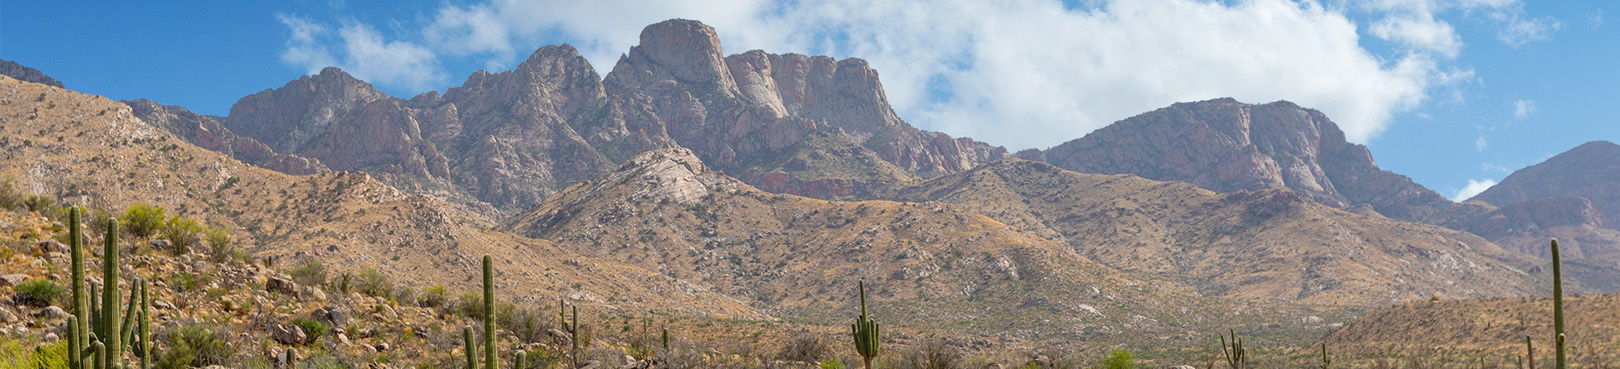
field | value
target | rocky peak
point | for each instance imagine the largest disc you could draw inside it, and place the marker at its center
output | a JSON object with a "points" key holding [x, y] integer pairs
{"points": [[688, 50], [1590, 170], [207, 132], [287, 118], [1228, 146], [674, 173], [24, 73]]}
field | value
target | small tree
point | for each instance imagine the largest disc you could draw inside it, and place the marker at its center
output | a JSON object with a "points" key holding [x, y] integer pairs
{"points": [[1119, 359]]}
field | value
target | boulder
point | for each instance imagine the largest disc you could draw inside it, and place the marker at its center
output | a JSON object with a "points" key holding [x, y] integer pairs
{"points": [[12, 280], [281, 285], [288, 334]]}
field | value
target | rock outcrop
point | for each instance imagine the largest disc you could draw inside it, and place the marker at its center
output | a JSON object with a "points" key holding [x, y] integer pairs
{"points": [[207, 132], [1228, 146], [26, 74], [1590, 170]]}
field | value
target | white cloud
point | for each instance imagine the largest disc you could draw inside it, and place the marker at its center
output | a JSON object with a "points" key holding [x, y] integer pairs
{"points": [[1480, 144], [1523, 108], [1474, 187], [364, 54], [1021, 73]]}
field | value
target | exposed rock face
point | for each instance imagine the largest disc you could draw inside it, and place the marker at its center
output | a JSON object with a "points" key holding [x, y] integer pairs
{"points": [[1227, 146], [1590, 170], [207, 132], [26, 74], [1581, 228]]}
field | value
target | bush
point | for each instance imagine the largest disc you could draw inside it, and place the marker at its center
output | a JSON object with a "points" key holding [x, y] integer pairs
{"points": [[10, 197], [1119, 359], [219, 243], [194, 345], [433, 296], [405, 295], [806, 347], [371, 282], [142, 220], [39, 293], [528, 325], [38, 203], [309, 272], [312, 329], [18, 353], [181, 233], [471, 305], [932, 354]]}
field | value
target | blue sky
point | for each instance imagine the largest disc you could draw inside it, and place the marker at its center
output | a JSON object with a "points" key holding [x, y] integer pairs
{"points": [[1448, 92]]}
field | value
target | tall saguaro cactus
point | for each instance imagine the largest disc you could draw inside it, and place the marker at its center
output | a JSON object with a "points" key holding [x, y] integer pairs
{"points": [[865, 330], [97, 333], [572, 329], [489, 313], [1236, 358], [1558, 303]]}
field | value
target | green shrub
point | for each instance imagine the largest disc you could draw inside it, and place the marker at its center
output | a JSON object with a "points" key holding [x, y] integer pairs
{"points": [[142, 220], [20, 353], [38, 203], [371, 282], [10, 197], [313, 329], [471, 305], [220, 243], [433, 296], [39, 292], [309, 272], [181, 233], [194, 345], [1119, 359]]}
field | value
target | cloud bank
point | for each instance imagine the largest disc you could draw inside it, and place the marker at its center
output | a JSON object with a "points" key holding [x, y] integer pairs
{"points": [[1020, 73], [1474, 188]]}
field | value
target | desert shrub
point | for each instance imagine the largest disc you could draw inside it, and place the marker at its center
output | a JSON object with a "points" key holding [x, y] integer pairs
{"points": [[322, 360], [312, 329], [181, 233], [188, 282], [220, 243], [526, 324], [309, 272], [39, 292], [931, 354], [194, 345], [98, 219], [1119, 359], [10, 197], [806, 347], [405, 295], [18, 353], [371, 282], [433, 296], [38, 203], [142, 220], [832, 363], [471, 305]]}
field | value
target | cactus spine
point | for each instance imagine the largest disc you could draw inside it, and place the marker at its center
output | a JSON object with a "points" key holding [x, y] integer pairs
{"points": [[1558, 303], [866, 333], [1236, 358]]}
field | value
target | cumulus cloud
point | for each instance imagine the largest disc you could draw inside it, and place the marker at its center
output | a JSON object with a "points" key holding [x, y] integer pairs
{"points": [[1022, 73], [1523, 108], [361, 51], [1474, 187]]}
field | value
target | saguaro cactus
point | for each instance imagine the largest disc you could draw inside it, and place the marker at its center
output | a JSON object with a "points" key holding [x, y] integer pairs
{"points": [[1236, 358], [572, 329], [472, 347], [96, 330], [1530, 352], [865, 330], [1326, 362], [489, 313], [1558, 303]]}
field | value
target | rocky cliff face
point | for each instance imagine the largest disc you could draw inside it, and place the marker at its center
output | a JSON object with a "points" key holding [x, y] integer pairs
{"points": [[791, 123], [1590, 171], [1227, 146], [24, 73], [207, 132]]}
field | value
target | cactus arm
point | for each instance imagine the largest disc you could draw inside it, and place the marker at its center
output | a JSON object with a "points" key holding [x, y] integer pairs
{"points": [[101, 355], [128, 331], [521, 356], [81, 299], [109, 298], [73, 339]]}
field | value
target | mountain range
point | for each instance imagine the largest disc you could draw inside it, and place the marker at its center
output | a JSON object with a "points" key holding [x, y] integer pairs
{"points": [[758, 186]]}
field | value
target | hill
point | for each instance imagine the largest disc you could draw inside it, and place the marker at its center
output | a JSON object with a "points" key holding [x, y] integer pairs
{"points": [[1482, 332], [1248, 245]]}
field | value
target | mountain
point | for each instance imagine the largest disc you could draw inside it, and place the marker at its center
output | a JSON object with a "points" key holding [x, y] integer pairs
{"points": [[1228, 146], [1588, 171], [90, 151], [1269, 244], [24, 73], [208, 133], [795, 124]]}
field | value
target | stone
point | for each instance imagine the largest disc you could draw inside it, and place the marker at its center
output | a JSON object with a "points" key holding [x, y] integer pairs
{"points": [[161, 304], [12, 280], [288, 334], [382, 347], [593, 364], [6, 316], [51, 337], [164, 245], [52, 313], [344, 339], [283, 286], [1183, 367], [49, 246]]}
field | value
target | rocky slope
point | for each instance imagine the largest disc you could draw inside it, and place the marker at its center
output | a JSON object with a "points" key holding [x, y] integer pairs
{"points": [[1228, 146], [208, 133], [929, 265], [1268, 244], [1588, 171], [1480, 332], [89, 151], [24, 73]]}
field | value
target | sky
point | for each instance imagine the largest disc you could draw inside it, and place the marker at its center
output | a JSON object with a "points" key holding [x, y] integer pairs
{"points": [[1456, 94]]}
